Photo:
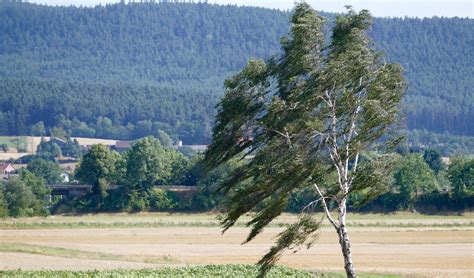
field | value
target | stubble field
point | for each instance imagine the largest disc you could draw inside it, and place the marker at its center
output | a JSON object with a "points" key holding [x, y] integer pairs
{"points": [[399, 244]]}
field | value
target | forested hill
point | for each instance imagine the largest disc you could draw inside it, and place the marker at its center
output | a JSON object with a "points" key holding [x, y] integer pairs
{"points": [[124, 71]]}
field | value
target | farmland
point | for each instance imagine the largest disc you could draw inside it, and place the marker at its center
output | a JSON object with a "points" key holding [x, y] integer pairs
{"points": [[28, 144], [398, 244]]}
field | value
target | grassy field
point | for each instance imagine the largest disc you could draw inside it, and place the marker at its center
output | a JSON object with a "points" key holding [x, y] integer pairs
{"points": [[32, 142], [403, 244], [158, 220]]}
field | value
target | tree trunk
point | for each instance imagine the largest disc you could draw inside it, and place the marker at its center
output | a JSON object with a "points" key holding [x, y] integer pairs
{"points": [[345, 242]]}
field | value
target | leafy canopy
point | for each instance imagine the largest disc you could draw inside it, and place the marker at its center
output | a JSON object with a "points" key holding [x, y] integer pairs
{"points": [[301, 120]]}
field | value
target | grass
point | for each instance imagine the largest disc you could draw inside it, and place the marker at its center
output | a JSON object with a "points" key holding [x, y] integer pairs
{"points": [[13, 141], [160, 220], [236, 270], [79, 254]]}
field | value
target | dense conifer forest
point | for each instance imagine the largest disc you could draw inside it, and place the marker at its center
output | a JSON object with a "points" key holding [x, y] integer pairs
{"points": [[124, 71]]}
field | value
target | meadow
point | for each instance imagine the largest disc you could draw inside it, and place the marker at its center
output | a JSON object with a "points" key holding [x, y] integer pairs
{"points": [[173, 245]]}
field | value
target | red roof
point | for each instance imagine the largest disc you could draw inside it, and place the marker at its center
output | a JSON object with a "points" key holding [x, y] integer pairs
{"points": [[5, 166]]}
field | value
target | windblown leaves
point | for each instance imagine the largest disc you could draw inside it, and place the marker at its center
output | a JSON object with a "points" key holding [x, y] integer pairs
{"points": [[286, 120]]}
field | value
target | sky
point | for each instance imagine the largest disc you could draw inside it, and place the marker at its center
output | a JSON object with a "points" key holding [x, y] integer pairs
{"points": [[379, 8]]}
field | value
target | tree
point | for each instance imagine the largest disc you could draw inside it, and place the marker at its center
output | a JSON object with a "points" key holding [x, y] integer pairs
{"points": [[37, 186], [461, 176], [20, 199], [3, 205], [413, 178], [71, 148], [433, 159], [149, 164], [38, 129], [48, 170], [48, 150], [100, 168], [4, 147], [302, 120], [164, 138]]}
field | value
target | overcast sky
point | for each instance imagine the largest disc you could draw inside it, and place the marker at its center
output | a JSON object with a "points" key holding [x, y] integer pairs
{"points": [[380, 8]]}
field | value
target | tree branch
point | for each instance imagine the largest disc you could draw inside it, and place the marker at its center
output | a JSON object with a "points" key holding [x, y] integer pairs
{"points": [[325, 207]]}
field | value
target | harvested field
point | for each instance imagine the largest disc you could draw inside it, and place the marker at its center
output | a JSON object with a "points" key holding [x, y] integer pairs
{"points": [[427, 251], [32, 142]]}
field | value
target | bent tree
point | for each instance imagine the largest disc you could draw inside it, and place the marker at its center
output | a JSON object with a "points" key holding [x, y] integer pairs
{"points": [[302, 119]]}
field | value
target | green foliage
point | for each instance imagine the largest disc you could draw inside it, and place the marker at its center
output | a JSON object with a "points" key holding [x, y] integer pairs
{"points": [[155, 71], [100, 168], [461, 175], [48, 170], [48, 150], [20, 199], [164, 138], [228, 271], [4, 147], [149, 163], [36, 183], [38, 129], [296, 234], [302, 119], [208, 197], [3, 205], [159, 200], [71, 148], [413, 178], [433, 159]]}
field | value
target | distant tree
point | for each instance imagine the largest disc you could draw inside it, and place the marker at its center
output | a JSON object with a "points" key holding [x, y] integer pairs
{"points": [[38, 188], [58, 132], [164, 138], [195, 170], [413, 178], [50, 171], [461, 175], [48, 150], [4, 147], [3, 204], [100, 167], [302, 120], [20, 199], [71, 148], [149, 164], [38, 129], [433, 159]]}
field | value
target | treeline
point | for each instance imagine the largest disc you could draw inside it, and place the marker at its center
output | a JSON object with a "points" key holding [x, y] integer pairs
{"points": [[103, 71], [436, 56], [137, 180], [107, 111]]}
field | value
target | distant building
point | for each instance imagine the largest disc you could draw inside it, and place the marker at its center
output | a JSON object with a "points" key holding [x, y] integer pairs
{"points": [[65, 177], [60, 142], [121, 146], [197, 148], [6, 168]]}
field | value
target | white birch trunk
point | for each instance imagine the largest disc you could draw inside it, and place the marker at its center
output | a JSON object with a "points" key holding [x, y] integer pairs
{"points": [[344, 240]]}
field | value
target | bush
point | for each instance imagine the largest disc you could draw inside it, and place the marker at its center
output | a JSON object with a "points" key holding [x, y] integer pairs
{"points": [[20, 199], [159, 200]]}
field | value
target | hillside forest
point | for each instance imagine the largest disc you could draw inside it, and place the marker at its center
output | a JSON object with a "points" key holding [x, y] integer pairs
{"points": [[125, 71]]}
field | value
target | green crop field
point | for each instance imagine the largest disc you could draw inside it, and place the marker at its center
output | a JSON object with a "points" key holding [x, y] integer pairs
{"points": [[230, 271]]}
